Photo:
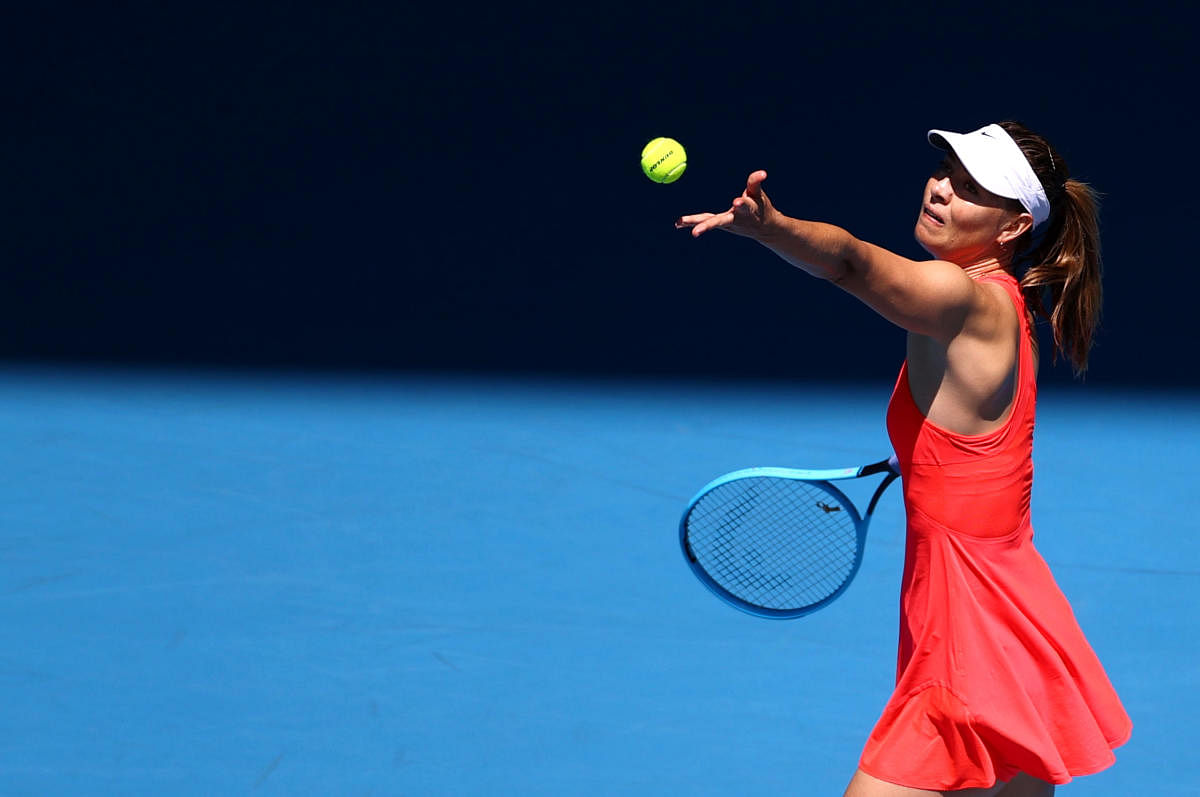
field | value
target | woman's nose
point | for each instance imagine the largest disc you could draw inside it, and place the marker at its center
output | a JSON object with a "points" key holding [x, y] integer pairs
{"points": [[940, 188]]}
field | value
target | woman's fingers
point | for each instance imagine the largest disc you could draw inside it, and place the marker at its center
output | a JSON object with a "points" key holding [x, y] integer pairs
{"points": [[692, 220], [713, 221], [743, 216], [740, 218], [754, 182], [703, 222]]}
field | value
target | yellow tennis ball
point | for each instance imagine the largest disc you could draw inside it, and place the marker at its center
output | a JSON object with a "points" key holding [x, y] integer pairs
{"points": [[664, 160]]}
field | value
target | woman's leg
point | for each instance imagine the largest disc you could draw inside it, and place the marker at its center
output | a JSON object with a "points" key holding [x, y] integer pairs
{"points": [[863, 785], [1025, 786]]}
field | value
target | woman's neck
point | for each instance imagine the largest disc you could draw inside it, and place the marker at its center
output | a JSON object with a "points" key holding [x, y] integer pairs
{"points": [[984, 266]]}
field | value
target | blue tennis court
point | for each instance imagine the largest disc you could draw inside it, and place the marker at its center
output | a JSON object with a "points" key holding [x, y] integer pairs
{"points": [[225, 584]]}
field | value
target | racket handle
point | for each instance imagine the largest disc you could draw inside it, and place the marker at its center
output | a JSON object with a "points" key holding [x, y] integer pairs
{"points": [[889, 465]]}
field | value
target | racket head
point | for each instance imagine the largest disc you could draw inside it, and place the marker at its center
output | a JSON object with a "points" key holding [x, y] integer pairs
{"points": [[773, 542]]}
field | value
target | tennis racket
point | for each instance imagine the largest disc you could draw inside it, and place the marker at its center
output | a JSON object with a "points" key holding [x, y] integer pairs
{"points": [[779, 542]]}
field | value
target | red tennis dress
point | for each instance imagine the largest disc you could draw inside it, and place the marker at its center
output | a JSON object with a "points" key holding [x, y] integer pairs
{"points": [[994, 675]]}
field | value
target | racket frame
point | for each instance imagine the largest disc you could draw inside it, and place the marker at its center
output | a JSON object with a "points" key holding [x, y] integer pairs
{"points": [[819, 478]]}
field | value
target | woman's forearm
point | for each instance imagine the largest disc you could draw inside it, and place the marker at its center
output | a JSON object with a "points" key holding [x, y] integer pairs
{"points": [[822, 250]]}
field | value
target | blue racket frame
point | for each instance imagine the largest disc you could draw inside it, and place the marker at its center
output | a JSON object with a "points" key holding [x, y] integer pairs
{"points": [[817, 478]]}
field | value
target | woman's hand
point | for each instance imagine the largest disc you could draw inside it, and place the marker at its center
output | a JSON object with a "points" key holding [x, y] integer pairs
{"points": [[750, 214]]}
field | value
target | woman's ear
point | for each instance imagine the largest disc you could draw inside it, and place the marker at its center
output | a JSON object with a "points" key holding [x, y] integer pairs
{"points": [[1014, 228]]}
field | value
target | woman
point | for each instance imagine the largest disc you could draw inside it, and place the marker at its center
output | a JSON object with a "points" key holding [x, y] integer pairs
{"points": [[997, 690]]}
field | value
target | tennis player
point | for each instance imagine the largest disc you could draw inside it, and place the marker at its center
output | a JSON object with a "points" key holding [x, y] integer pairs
{"points": [[997, 691]]}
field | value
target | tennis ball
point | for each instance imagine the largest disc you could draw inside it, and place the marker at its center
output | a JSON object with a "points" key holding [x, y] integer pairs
{"points": [[664, 160]]}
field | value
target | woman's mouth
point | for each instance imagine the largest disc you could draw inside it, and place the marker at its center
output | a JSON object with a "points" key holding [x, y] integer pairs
{"points": [[933, 216]]}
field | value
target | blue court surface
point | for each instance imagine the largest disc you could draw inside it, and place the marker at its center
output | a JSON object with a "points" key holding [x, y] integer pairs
{"points": [[219, 584]]}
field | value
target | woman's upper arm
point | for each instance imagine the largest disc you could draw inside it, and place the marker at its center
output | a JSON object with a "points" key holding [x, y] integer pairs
{"points": [[931, 297]]}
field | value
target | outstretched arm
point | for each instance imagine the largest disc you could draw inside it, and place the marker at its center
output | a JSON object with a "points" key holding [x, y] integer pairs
{"points": [[931, 298]]}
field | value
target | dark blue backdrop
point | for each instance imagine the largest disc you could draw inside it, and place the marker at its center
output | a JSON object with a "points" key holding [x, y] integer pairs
{"points": [[458, 188]]}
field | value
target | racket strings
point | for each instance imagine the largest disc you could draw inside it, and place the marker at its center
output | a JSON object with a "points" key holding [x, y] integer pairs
{"points": [[777, 543]]}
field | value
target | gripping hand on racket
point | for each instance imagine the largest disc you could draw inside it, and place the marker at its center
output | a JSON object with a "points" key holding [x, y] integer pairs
{"points": [[750, 215]]}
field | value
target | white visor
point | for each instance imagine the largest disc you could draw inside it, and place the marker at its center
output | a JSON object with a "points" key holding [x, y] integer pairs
{"points": [[990, 155]]}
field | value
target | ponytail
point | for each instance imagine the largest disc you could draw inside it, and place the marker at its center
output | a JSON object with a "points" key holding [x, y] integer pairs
{"points": [[1062, 283]]}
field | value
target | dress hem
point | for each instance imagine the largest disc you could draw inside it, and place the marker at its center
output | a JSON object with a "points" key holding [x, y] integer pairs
{"points": [[1071, 775]]}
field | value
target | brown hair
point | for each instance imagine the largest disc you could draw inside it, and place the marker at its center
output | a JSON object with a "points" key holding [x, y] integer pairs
{"points": [[1062, 279]]}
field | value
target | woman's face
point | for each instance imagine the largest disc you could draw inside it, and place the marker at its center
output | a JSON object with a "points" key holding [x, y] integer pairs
{"points": [[961, 221]]}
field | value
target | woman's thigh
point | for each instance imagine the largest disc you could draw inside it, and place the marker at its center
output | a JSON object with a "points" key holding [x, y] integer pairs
{"points": [[1025, 786], [863, 785]]}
